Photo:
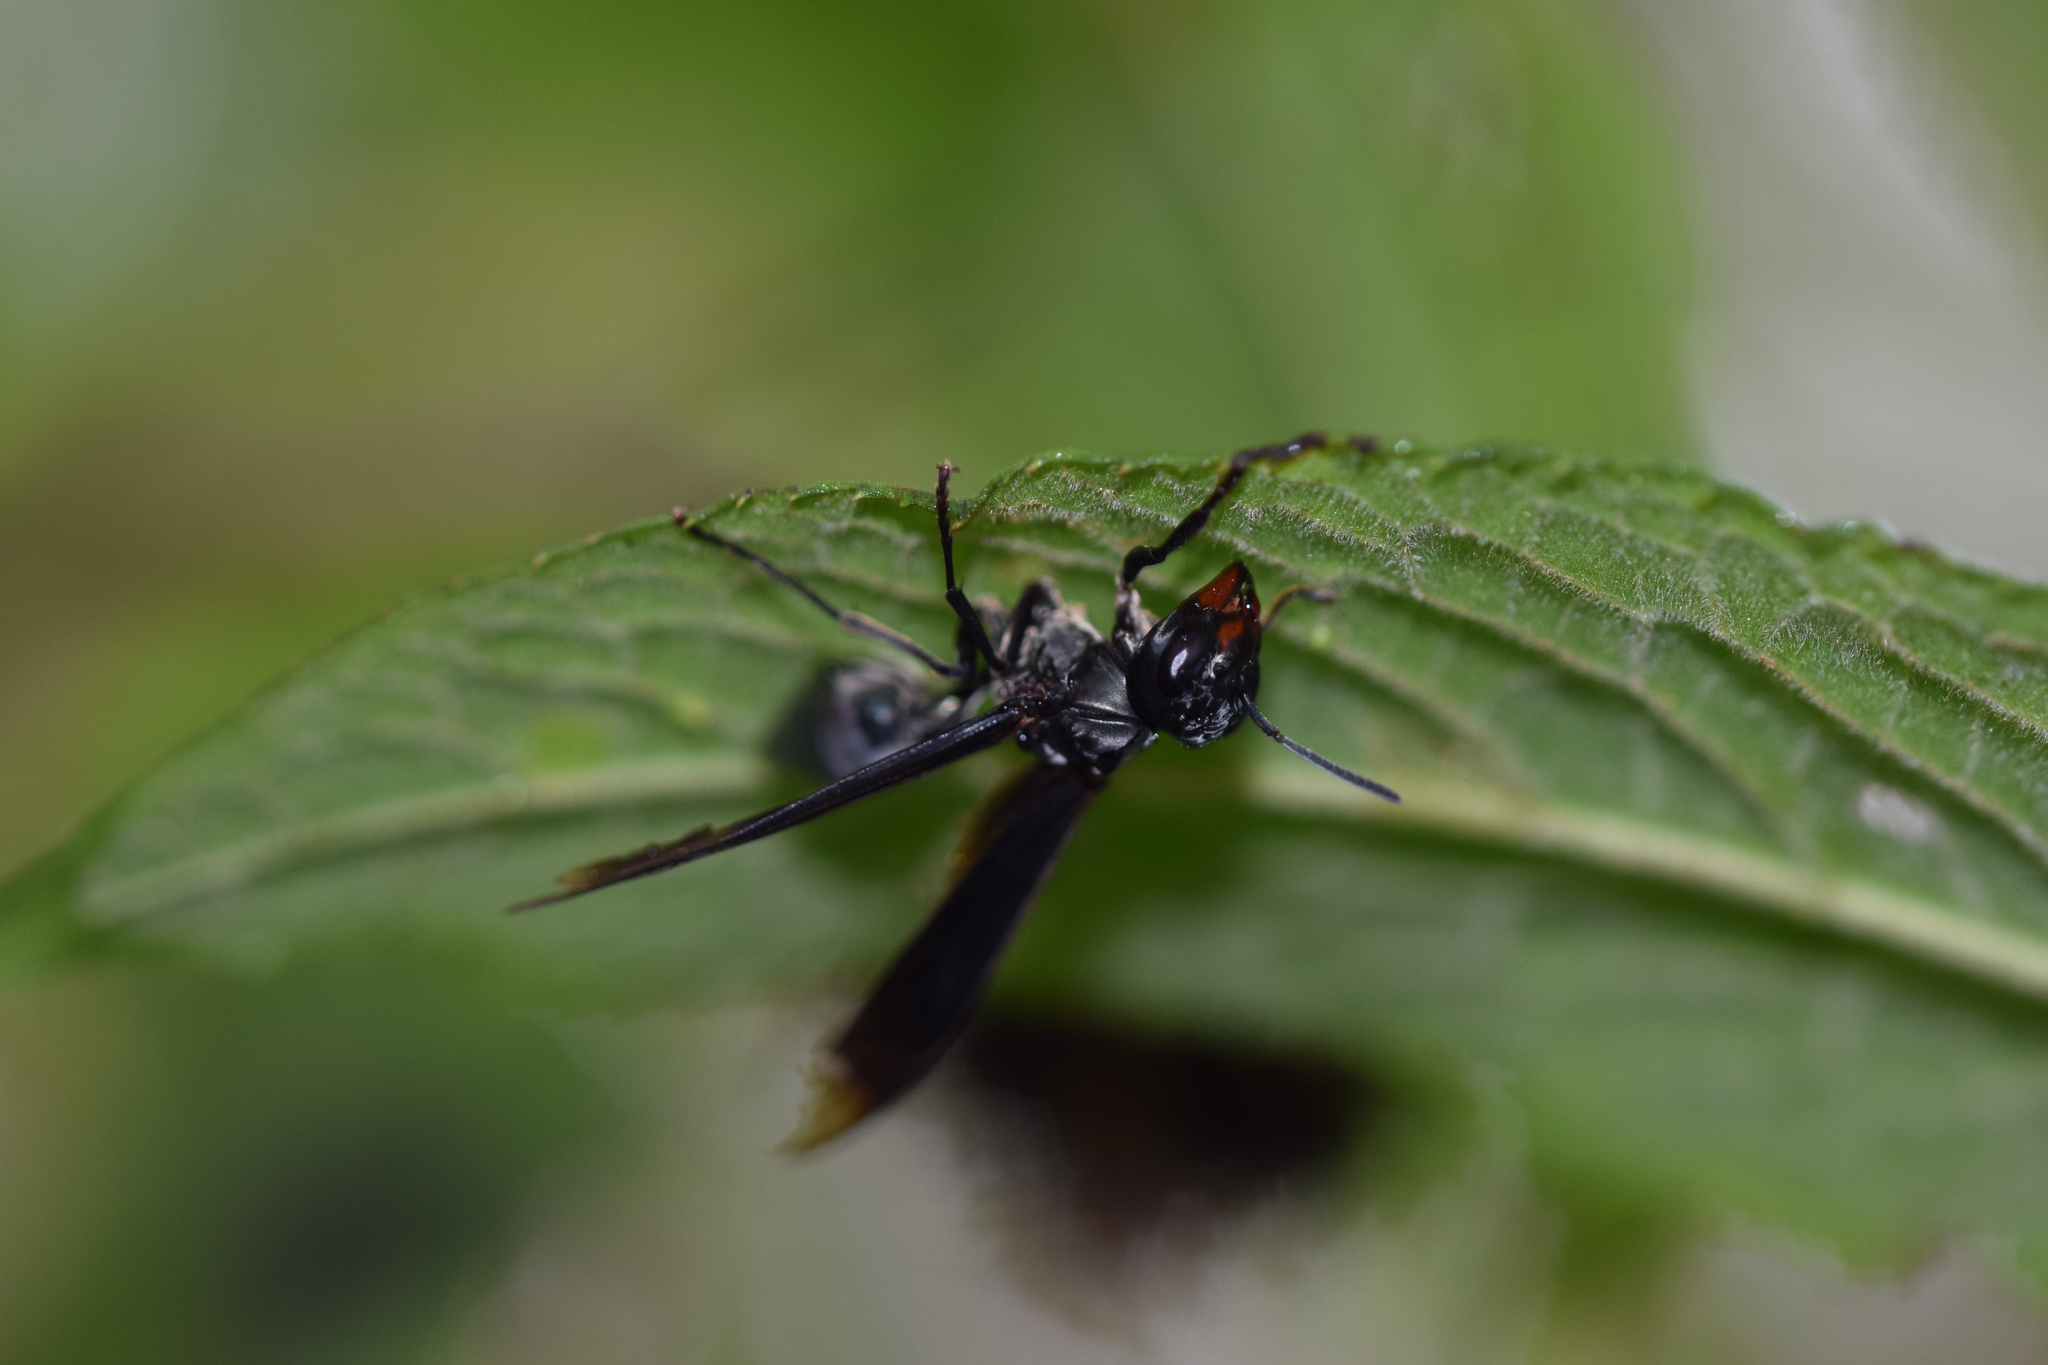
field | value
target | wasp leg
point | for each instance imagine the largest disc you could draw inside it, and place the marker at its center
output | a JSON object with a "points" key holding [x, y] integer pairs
{"points": [[973, 633], [1302, 591], [1142, 558], [857, 622]]}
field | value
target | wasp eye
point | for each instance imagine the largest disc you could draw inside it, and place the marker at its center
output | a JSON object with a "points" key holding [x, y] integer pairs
{"points": [[1197, 671], [879, 717]]}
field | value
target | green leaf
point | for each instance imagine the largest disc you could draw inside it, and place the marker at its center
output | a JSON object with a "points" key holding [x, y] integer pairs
{"points": [[1723, 848]]}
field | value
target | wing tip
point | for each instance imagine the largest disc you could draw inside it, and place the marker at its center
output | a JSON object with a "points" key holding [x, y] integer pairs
{"points": [[836, 1103], [574, 882], [610, 871]]}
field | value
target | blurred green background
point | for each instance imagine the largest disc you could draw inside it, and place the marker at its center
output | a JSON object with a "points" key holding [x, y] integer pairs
{"points": [[302, 306]]}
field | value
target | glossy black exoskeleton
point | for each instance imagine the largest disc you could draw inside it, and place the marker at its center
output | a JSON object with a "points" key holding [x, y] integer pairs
{"points": [[1043, 676]]}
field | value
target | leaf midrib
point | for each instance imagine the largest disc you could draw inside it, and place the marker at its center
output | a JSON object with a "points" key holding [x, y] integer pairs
{"points": [[110, 900], [1992, 954]]}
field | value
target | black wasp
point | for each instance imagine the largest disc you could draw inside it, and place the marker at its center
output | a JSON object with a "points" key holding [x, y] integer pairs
{"points": [[1043, 676]]}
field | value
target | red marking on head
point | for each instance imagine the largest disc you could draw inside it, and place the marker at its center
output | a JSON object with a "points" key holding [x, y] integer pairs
{"points": [[1230, 590]]}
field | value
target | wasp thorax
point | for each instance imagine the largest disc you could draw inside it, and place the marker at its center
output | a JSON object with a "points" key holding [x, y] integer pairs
{"points": [[1194, 676]]}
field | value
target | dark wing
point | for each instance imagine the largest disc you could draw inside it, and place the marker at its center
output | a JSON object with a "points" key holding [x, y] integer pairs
{"points": [[983, 732], [923, 1002]]}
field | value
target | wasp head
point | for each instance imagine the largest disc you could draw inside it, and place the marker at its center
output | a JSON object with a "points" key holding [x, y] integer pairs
{"points": [[1196, 673]]}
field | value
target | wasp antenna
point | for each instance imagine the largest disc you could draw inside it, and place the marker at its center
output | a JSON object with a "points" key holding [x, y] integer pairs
{"points": [[1334, 769]]}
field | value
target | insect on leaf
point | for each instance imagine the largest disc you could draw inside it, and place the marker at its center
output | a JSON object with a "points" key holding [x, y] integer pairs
{"points": [[1725, 839]]}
